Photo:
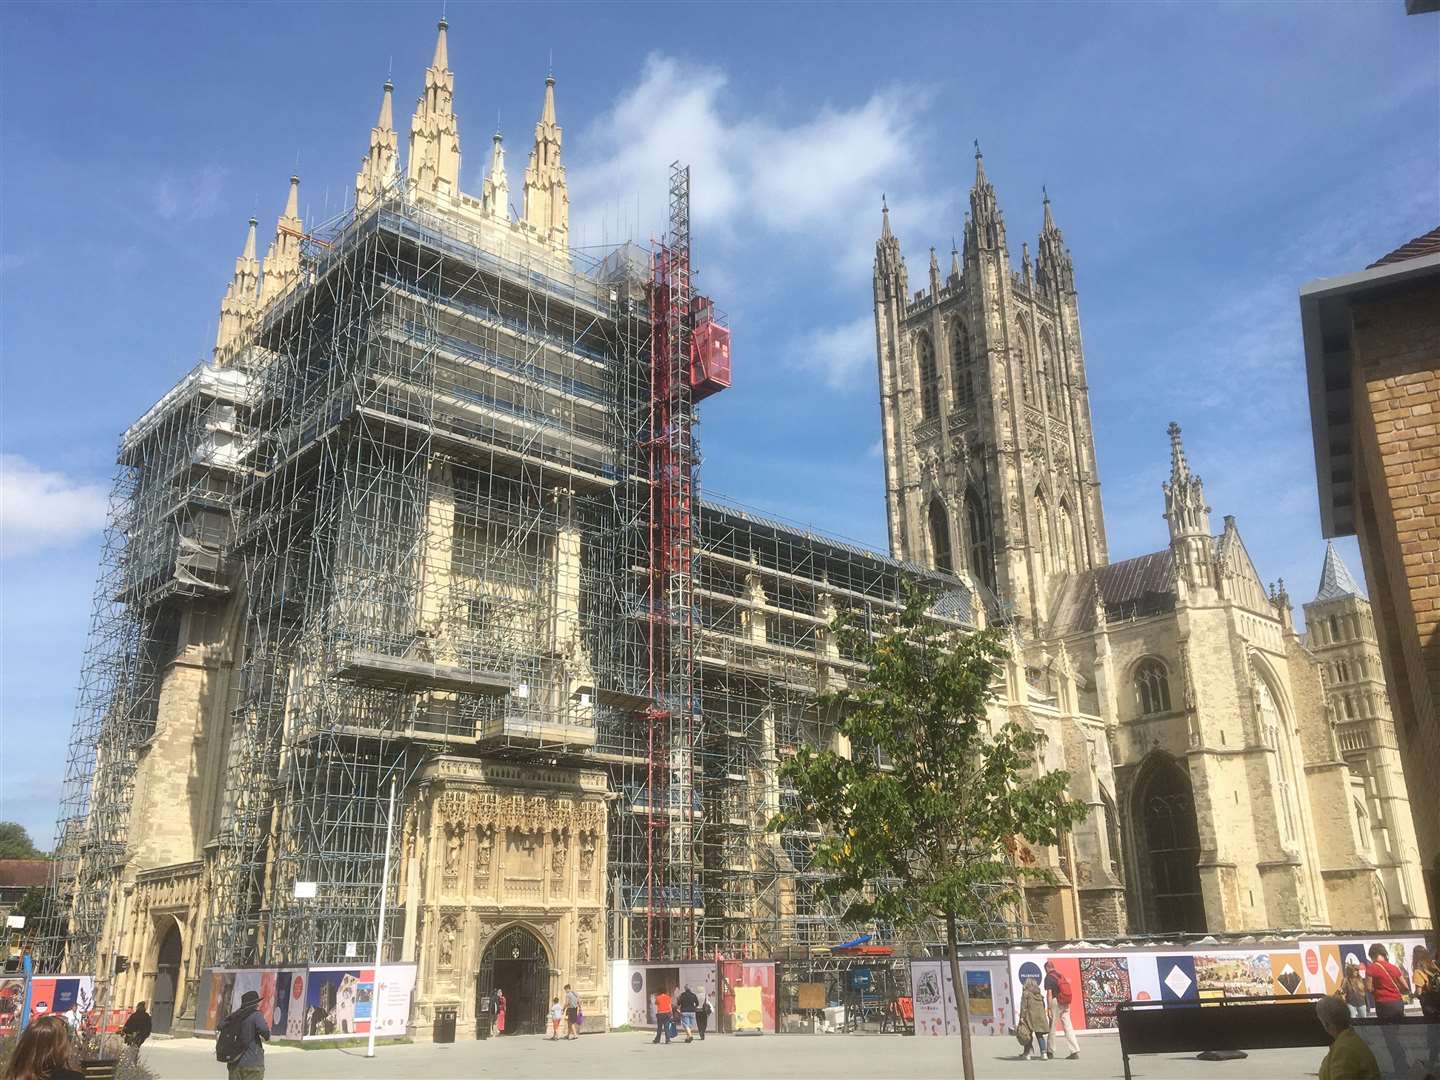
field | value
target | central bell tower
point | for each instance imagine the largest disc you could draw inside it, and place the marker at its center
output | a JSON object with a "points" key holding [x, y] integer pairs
{"points": [[985, 412]]}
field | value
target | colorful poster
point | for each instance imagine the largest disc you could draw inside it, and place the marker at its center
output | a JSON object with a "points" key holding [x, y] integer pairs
{"points": [[1286, 974], [392, 999], [1331, 968], [337, 1002], [762, 975], [1105, 982], [1311, 968], [749, 1009], [1234, 973], [1032, 965], [979, 995], [1144, 977], [1177, 978], [934, 1006], [12, 1000], [732, 974]]}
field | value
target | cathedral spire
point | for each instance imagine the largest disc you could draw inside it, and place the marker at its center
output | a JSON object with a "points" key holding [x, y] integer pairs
{"points": [[954, 259], [1053, 267], [980, 180], [986, 228], [434, 164], [281, 268], [547, 201], [1049, 225], [885, 233], [381, 163], [238, 305], [1336, 580], [890, 277]]}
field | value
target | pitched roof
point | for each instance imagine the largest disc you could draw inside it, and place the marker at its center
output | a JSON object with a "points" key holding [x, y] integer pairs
{"points": [[1424, 244], [1131, 588], [23, 873], [1335, 578]]}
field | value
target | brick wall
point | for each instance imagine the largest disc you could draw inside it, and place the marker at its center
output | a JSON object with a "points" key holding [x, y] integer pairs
{"points": [[1396, 380]]}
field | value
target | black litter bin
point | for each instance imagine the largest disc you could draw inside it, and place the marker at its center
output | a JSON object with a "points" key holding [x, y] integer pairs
{"points": [[444, 1026]]}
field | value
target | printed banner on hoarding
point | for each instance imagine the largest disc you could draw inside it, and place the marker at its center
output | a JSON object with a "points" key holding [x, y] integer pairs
{"points": [[987, 989], [312, 1003]]}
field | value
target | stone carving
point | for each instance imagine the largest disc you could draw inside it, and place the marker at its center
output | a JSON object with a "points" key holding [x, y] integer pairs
{"points": [[585, 946], [587, 854], [449, 930], [452, 851], [484, 855], [526, 812], [559, 851]]}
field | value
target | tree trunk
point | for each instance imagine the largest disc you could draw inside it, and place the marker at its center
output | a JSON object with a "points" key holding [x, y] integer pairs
{"points": [[962, 999]]}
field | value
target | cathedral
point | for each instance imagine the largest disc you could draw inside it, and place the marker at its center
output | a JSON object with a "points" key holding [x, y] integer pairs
{"points": [[1242, 775], [411, 623]]}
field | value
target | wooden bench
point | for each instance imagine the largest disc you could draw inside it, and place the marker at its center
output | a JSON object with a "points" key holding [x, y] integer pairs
{"points": [[100, 1068], [1266, 1023]]}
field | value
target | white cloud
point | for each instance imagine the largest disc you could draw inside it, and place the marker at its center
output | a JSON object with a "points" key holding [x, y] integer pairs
{"points": [[842, 356], [40, 509], [816, 178], [186, 197]]}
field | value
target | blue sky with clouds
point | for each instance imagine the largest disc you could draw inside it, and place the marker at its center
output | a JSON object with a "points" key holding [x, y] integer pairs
{"points": [[1204, 161]]}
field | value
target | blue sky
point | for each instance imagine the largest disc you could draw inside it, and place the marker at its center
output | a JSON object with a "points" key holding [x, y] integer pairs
{"points": [[1204, 162]]}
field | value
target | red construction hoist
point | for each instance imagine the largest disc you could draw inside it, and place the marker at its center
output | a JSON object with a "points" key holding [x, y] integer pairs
{"points": [[690, 359]]}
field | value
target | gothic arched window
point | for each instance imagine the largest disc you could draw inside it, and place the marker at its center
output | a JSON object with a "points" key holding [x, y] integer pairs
{"points": [[1277, 734], [1051, 369], [1069, 542], [1152, 687], [962, 363], [940, 536], [929, 379], [1044, 536], [977, 521], [1022, 361]]}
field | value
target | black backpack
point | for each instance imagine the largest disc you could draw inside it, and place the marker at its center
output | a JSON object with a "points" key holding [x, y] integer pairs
{"points": [[230, 1042]]}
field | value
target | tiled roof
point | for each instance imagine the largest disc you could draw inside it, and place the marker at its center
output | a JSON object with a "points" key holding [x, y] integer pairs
{"points": [[1335, 578], [1425, 244], [1131, 588], [23, 873]]}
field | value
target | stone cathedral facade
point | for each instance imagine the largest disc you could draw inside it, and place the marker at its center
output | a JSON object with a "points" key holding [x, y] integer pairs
{"points": [[1243, 775]]}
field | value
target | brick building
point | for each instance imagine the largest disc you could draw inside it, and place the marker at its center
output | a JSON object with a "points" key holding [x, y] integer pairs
{"points": [[1372, 354]]}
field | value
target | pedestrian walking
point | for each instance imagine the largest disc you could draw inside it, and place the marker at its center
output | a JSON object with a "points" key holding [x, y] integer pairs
{"points": [[242, 1038], [1353, 990], [1389, 987], [1032, 1025], [688, 1004], [45, 1051], [662, 1017], [499, 1011], [1059, 994], [557, 1013], [1348, 1058], [702, 1014], [572, 1014], [136, 1030]]}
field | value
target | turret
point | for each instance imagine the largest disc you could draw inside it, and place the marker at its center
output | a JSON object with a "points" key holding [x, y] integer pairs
{"points": [[282, 259], [889, 263], [238, 306], [986, 228], [434, 164], [381, 164], [1054, 269], [547, 201], [1191, 545], [495, 195]]}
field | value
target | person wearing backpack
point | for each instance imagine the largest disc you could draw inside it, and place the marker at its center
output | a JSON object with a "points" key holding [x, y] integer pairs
{"points": [[1059, 994], [242, 1038]]}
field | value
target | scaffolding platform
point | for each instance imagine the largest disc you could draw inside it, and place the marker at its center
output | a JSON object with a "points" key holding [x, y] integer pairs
{"points": [[400, 673]]}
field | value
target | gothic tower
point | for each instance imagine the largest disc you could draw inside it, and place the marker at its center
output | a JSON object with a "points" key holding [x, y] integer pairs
{"points": [[1340, 631], [985, 413]]}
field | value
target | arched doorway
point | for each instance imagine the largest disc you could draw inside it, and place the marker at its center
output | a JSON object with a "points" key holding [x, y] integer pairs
{"points": [[516, 962], [1169, 844], [167, 978]]}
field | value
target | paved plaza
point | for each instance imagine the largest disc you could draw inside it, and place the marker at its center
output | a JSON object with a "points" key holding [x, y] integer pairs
{"points": [[630, 1056]]}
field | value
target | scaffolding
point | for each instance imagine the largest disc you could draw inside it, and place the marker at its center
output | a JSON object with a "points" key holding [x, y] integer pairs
{"points": [[443, 498]]}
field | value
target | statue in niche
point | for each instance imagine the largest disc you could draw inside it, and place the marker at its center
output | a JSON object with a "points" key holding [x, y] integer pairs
{"points": [[447, 942], [452, 851], [587, 853], [484, 851], [559, 851], [582, 948]]}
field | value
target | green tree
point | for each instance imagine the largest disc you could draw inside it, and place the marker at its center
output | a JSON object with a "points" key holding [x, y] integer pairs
{"points": [[930, 836], [15, 842]]}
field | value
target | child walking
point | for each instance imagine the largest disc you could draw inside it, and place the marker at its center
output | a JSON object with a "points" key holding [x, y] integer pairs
{"points": [[557, 1014]]}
